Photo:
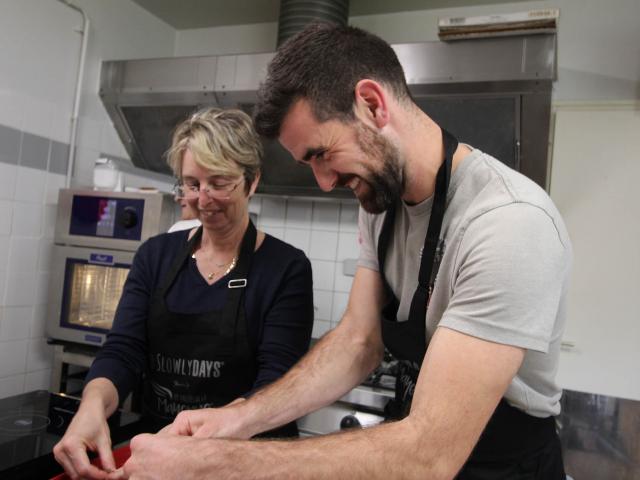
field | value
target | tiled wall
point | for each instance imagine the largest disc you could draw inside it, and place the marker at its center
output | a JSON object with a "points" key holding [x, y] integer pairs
{"points": [[328, 233], [32, 170]]}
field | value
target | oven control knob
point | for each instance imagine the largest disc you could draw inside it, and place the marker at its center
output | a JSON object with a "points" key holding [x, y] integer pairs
{"points": [[129, 217], [349, 421]]}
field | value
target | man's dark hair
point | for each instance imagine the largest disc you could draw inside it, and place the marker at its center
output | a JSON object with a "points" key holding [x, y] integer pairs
{"points": [[323, 63]]}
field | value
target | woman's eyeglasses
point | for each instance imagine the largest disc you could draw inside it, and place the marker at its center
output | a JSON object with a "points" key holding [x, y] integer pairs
{"points": [[220, 191]]}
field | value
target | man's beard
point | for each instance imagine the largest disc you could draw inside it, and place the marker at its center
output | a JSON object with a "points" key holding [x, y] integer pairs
{"points": [[384, 185]]}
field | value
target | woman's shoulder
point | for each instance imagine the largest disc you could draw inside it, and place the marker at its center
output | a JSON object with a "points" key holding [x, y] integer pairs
{"points": [[163, 243]]}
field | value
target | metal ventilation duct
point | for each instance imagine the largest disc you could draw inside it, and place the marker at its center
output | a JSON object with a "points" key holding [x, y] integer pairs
{"points": [[297, 14]]}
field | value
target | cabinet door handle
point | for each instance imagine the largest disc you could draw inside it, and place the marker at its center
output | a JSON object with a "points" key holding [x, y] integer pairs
{"points": [[567, 345]]}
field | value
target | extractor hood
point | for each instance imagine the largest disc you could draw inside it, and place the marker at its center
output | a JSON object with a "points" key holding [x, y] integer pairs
{"points": [[492, 93]]}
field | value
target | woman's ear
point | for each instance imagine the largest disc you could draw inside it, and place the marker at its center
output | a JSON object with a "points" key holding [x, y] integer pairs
{"points": [[254, 184], [371, 103]]}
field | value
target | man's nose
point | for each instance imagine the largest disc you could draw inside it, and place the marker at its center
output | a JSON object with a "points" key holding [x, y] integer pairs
{"points": [[325, 177]]}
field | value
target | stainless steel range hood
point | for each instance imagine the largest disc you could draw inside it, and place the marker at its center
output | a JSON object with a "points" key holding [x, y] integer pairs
{"points": [[492, 93]]}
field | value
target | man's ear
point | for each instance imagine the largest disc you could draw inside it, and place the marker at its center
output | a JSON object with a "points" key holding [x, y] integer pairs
{"points": [[371, 103]]}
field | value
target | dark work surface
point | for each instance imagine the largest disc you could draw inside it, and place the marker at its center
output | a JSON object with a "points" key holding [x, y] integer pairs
{"points": [[32, 423]]}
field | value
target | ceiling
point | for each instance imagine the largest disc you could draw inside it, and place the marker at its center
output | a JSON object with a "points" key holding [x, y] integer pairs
{"points": [[186, 14]]}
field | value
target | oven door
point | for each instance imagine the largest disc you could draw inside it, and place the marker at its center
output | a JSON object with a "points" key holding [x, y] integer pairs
{"points": [[86, 284]]}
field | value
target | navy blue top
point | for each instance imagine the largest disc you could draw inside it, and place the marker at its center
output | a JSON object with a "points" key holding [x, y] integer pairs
{"points": [[278, 306]]}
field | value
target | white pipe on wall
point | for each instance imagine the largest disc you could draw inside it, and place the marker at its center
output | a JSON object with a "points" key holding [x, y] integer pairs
{"points": [[76, 102]]}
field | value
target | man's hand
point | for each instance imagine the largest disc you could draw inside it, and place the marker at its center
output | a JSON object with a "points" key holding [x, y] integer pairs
{"points": [[209, 423], [167, 457]]}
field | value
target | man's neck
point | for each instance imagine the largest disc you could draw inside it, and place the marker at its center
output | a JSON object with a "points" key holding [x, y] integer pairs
{"points": [[424, 153]]}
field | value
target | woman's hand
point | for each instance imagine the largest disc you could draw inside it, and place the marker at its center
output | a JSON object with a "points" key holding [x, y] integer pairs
{"points": [[88, 431]]}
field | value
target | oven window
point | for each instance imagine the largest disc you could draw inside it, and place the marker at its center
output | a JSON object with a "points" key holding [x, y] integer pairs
{"points": [[92, 294]]}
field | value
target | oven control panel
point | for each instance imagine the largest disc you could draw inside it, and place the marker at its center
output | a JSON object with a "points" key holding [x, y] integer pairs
{"points": [[111, 220]]}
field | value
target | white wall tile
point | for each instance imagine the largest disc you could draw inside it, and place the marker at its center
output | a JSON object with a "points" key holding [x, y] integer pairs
{"points": [[8, 175], [42, 288], [30, 185], [340, 302], [324, 245], [325, 216], [54, 183], [40, 355], [3, 285], [110, 141], [349, 217], [19, 290], [277, 232], [15, 323], [38, 116], [89, 133], [10, 386], [61, 123], [299, 213], [40, 380], [342, 283], [13, 357], [23, 254], [37, 329], [298, 238], [4, 253], [273, 212], [348, 246], [11, 109], [49, 213], [322, 274], [322, 303], [45, 251], [27, 219], [6, 213], [320, 327]]}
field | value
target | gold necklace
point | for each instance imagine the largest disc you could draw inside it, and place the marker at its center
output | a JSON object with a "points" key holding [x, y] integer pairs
{"points": [[219, 265]]}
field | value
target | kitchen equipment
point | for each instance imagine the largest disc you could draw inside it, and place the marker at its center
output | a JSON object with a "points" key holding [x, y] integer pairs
{"points": [[107, 176], [96, 236], [32, 423], [493, 93]]}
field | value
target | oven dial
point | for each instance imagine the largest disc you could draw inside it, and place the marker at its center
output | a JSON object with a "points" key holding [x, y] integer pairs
{"points": [[129, 217], [349, 421]]}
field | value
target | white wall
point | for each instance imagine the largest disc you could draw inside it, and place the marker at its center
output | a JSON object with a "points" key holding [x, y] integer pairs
{"points": [[598, 61], [38, 65]]}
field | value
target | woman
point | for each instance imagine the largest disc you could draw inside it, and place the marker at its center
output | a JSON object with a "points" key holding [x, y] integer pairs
{"points": [[207, 315]]}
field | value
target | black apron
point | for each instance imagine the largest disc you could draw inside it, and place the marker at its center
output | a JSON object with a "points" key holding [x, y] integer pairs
{"points": [[200, 360], [514, 445]]}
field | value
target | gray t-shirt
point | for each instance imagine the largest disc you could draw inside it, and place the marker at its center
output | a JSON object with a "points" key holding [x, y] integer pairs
{"points": [[504, 270]]}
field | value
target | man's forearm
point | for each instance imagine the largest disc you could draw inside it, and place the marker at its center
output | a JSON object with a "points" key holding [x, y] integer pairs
{"points": [[394, 450], [337, 363]]}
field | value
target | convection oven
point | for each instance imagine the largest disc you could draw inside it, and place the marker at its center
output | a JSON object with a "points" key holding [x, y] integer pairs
{"points": [[96, 236]]}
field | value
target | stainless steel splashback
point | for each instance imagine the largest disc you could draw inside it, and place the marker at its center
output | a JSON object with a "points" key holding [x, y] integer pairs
{"points": [[147, 98]]}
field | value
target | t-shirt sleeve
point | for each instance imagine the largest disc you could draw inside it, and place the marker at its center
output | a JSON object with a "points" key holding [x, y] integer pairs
{"points": [[122, 357], [510, 268], [288, 322], [368, 241]]}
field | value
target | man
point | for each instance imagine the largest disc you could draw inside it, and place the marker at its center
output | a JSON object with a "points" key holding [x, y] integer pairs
{"points": [[462, 276], [188, 218]]}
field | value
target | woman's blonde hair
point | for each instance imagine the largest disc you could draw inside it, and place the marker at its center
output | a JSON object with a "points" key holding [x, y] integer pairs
{"points": [[223, 141]]}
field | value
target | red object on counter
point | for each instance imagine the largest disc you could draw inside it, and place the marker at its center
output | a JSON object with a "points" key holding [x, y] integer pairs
{"points": [[120, 455]]}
